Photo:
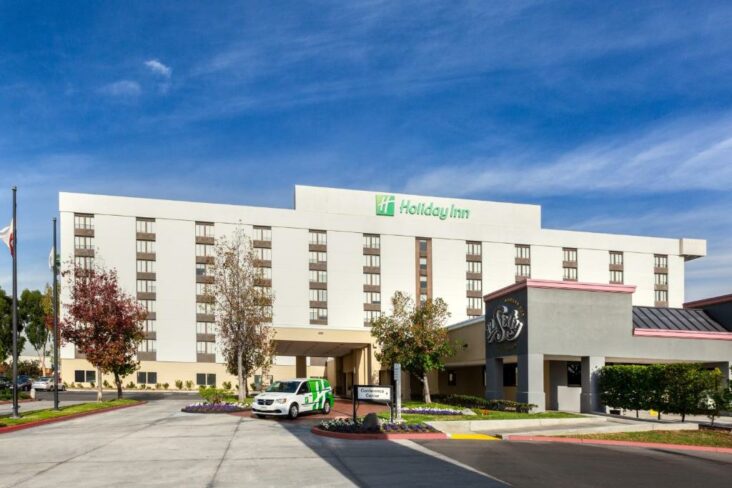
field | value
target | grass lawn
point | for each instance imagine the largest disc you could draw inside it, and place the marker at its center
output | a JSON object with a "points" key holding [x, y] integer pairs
{"points": [[685, 437], [35, 415], [480, 414]]}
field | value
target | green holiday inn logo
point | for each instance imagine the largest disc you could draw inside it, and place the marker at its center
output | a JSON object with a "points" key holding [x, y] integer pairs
{"points": [[386, 207]]}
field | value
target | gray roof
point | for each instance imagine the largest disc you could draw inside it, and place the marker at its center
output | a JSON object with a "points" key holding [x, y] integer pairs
{"points": [[663, 318]]}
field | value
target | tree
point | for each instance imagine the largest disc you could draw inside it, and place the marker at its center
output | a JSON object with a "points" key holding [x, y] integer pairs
{"points": [[104, 322], [6, 328], [718, 398], [243, 308], [686, 386], [414, 336], [34, 316]]}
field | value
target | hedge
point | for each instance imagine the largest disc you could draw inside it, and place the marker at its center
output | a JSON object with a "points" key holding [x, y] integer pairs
{"points": [[469, 401], [683, 389]]}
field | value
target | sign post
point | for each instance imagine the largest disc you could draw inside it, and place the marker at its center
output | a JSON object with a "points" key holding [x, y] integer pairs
{"points": [[398, 391]]}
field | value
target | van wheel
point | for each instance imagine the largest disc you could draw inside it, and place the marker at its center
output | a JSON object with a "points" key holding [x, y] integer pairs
{"points": [[292, 414], [326, 407]]}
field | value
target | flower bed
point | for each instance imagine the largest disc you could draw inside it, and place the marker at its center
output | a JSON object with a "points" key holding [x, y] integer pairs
{"points": [[350, 427], [432, 411], [205, 407]]}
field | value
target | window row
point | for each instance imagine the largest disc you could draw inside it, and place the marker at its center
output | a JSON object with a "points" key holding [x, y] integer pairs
{"points": [[84, 262], [205, 308], [475, 303], [318, 257], [262, 234], [474, 267], [661, 296], [369, 315], [474, 248], [372, 261], [205, 250], [616, 276], [660, 261], [523, 251], [262, 253], [569, 255], [616, 258], [318, 314], [523, 270], [149, 326], [373, 297], [660, 278], [149, 305], [204, 289], [85, 222], [205, 347], [81, 242], [204, 269], [318, 237], [318, 276], [146, 246], [204, 230], [146, 286], [569, 274], [371, 241], [145, 226], [206, 328], [372, 279], [148, 345], [147, 377], [474, 285], [318, 295], [144, 266]]}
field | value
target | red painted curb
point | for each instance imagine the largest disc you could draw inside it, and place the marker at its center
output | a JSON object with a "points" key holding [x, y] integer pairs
{"points": [[605, 442], [381, 437], [28, 425]]}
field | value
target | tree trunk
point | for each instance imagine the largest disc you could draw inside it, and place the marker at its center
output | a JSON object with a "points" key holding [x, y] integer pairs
{"points": [[99, 384], [683, 417], [426, 389], [240, 373], [118, 382]]}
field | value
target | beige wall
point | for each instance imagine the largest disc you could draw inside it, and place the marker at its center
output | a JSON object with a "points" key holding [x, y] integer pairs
{"points": [[470, 348], [468, 381]]}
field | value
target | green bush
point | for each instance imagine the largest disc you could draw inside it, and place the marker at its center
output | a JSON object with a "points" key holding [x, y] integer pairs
{"points": [[158, 386], [468, 401], [212, 395], [166, 385], [106, 384], [189, 385], [130, 385], [226, 385], [91, 384], [179, 384]]}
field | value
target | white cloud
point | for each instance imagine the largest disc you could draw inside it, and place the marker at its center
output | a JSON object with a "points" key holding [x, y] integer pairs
{"points": [[686, 155], [122, 88], [159, 68]]}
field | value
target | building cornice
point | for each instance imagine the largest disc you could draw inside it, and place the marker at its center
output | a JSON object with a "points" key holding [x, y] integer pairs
{"points": [[559, 285]]}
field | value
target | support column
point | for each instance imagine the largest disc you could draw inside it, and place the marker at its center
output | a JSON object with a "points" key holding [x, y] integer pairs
{"points": [[590, 397], [301, 366], [530, 388], [494, 378], [726, 369]]}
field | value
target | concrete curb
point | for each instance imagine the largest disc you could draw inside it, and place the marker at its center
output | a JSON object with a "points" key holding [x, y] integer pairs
{"points": [[382, 437], [603, 442], [28, 425], [467, 426]]}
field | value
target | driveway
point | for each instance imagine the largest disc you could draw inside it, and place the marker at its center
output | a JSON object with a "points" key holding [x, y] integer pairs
{"points": [[157, 445]]}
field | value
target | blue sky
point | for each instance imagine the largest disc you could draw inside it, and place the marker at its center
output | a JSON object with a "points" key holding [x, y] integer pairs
{"points": [[615, 116]]}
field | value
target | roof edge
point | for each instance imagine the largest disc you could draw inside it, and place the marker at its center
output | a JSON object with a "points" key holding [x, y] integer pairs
{"points": [[705, 302], [560, 285]]}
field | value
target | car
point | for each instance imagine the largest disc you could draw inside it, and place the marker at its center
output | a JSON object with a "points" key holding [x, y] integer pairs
{"points": [[45, 383], [24, 382], [5, 383], [292, 397]]}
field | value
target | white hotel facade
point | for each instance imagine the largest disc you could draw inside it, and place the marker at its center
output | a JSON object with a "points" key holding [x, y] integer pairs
{"points": [[333, 262]]}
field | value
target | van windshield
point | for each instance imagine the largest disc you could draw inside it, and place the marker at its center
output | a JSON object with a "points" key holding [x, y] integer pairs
{"points": [[284, 387]]}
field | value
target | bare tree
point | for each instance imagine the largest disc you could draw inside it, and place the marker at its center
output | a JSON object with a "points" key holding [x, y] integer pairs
{"points": [[243, 308]]}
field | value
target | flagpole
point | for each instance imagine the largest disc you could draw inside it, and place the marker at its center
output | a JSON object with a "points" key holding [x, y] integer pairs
{"points": [[54, 301], [15, 306]]}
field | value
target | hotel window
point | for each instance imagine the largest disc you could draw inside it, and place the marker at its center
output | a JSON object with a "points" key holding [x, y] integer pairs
{"points": [[423, 264], [205, 379], [574, 373], [147, 345], [145, 226], [523, 251], [144, 266], [422, 245], [262, 234], [81, 376], [84, 262], [371, 241], [149, 305], [661, 298], [147, 247], [318, 257], [145, 286], [616, 258], [318, 314], [451, 378], [318, 237], [147, 378], [660, 261], [372, 279], [570, 274], [616, 277], [85, 222], [81, 242], [204, 269], [205, 347], [370, 315], [204, 250], [474, 267], [204, 289], [205, 308], [474, 249], [372, 297], [265, 273], [263, 253], [204, 230], [318, 295], [523, 271], [205, 328], [149, 325], [318, 276], [569, 255], [509, 374], [371, 260], [569, 264], [474, 285], [661, 279], [475, 303]]}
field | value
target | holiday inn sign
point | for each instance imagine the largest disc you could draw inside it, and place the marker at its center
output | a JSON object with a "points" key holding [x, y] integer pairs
{"points": [[386, 207]]}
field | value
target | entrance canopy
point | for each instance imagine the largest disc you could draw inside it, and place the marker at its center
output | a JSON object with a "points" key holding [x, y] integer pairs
{"points": [[319, 342]]}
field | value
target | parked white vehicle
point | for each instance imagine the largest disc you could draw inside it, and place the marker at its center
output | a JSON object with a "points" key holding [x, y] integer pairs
{"points": [[291, 397], [45, 383]]}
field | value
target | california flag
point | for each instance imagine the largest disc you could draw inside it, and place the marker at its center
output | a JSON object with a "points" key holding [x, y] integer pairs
{"points": [[7, 235]]}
